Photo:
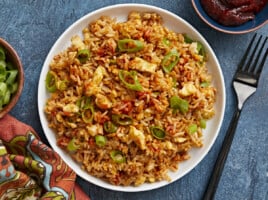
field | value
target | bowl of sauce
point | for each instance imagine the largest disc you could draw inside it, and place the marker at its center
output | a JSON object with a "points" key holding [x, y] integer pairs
{"points": [[233, 16]]}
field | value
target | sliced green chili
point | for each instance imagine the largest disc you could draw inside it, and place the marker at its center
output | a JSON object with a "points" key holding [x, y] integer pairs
{"points": [[131, 76], [100, 140], [170, 60], [109, 127], [117, 156], [158, 132], [51, 79], [88, 114], [122, 119], [176, 103], [130, 45], [84, 102], [72, 146], [83, 55], [192, 128]]}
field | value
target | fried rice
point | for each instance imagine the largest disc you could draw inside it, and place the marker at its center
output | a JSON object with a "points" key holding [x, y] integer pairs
{"points": [[129, 114]]}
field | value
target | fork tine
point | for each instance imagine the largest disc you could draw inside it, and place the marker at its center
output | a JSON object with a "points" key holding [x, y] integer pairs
{"points": [[259, 68], [247, 66], [243, 60]]}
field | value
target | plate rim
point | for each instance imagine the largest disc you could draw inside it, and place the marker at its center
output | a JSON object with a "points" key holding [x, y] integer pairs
{"points": [[50, 54]]}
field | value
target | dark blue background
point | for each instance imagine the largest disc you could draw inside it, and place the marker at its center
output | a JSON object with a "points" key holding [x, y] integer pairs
{"points": [[32, 27]]}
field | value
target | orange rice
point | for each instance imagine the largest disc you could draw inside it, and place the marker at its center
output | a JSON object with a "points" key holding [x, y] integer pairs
{"points": [[146, 157]]}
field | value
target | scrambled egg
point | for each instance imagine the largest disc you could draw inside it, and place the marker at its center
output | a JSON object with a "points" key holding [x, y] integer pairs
{"points": [[137, 136], [188, 89], [143, 65]]}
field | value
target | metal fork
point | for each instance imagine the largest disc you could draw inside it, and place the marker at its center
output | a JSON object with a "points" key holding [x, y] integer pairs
{"points": [[245, 83]]}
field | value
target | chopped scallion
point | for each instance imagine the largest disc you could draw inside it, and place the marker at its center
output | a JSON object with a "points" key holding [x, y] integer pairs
{"points": [[2, 53], [8, 77]]}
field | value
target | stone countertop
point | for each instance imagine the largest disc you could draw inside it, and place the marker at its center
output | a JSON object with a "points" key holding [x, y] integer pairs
{"points": [[32, 27]]}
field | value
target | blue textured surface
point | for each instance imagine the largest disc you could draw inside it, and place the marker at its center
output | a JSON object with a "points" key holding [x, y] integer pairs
{"points": [[33, 26]]}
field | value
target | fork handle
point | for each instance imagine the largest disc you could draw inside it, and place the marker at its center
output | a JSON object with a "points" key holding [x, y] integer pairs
{"points": [[219, 165]]}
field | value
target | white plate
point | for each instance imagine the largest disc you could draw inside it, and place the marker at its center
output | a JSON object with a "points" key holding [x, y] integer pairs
{"points": [[171, 21]]}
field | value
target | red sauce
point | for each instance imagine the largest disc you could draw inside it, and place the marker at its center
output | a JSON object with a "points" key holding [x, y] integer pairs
{"points": [[233, 12]]}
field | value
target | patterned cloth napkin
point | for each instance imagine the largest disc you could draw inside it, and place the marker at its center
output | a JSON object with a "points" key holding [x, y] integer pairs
{"points": [[31, 170]]}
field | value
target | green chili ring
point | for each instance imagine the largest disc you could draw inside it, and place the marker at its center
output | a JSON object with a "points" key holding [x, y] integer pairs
{"points": [[83, 55], [84, 102], [109, 127], [170, 60], [122, 119], [51, 80], [130, 45], [100, 140], [123, 75], [117, 156], [72, 146], [88, 114], [158, 132]]}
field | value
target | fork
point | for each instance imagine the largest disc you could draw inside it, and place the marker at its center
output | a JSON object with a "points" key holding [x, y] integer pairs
{"points": [[245, 82]]}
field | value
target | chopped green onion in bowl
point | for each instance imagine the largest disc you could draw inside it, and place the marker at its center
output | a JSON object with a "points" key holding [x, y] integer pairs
{"points": [[11, 77]]}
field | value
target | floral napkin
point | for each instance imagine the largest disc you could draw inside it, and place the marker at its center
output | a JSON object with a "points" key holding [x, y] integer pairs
{"points": [[31, 170]]}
